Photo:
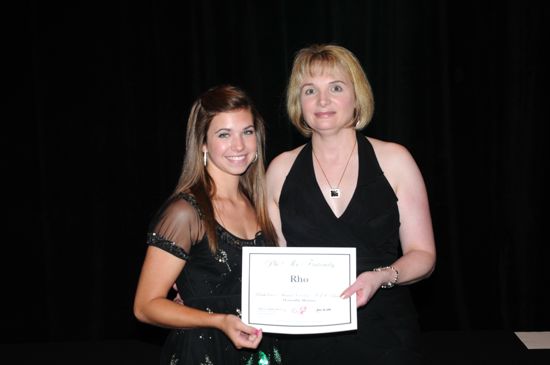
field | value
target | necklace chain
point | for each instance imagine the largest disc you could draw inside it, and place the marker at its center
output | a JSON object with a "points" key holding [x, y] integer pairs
{"points": [[219, 215], [334, 192], [217, 212]]}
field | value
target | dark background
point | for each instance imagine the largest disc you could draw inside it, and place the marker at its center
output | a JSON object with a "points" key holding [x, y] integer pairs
{"points": [[94, 138]]}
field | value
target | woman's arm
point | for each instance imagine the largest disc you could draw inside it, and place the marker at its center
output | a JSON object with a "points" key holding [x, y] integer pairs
{"points": [[151, 305], [416, 233]]}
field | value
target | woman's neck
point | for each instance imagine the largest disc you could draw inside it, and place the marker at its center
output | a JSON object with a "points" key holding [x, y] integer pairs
{"points": [[227, 190], [227, 186], [331, 147]]}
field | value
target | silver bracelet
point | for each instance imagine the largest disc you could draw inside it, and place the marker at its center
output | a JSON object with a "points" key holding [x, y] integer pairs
{"points": [[393, 282]]}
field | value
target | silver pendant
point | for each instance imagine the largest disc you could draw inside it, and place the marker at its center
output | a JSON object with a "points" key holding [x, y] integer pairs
{"points": [[334, 193]]}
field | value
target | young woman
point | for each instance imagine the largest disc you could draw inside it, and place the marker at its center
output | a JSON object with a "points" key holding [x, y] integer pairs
{"points": [[218, 206]]}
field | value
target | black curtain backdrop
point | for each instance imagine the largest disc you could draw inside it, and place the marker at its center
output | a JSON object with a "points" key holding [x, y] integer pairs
{"points": [[96, 142]]}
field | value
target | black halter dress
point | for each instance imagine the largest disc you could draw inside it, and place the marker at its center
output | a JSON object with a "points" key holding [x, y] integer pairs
{"points": [[387, 325]]}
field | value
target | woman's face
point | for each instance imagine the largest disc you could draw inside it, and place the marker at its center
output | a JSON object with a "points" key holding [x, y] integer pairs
{"points": [[230, 143], [327, 99]]}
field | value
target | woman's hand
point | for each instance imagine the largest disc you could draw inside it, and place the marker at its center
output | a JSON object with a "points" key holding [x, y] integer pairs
{"points": [[240, 334], [366, 284]]}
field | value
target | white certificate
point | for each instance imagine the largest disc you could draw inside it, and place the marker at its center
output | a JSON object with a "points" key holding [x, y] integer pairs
{"points": [[296, 290]]}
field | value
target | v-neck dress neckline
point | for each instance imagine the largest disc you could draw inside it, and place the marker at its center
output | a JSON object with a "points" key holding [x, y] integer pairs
{"points": [[314, 182]]}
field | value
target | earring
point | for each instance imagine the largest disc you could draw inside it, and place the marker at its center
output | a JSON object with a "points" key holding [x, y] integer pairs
{"points": [[204, 158], [255, 157]]}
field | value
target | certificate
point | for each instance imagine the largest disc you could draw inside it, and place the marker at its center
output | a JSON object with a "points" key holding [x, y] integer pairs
{"points": [[296, 290]]}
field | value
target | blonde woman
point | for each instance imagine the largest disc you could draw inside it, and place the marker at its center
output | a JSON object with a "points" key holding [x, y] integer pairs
{"points": [[344, 189]]}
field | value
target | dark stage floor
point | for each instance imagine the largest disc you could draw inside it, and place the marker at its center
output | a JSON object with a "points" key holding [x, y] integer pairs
{"points": [[441, 347]]}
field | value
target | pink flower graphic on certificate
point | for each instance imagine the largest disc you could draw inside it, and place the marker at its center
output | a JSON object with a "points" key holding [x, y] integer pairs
{"points": [[299, 310]]}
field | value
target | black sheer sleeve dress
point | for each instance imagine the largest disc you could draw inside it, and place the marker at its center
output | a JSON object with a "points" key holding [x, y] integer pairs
{"points": [[209, 282]]}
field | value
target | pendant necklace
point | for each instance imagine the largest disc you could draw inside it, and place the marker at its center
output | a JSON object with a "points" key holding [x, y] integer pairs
{"points": [[334, 192]]}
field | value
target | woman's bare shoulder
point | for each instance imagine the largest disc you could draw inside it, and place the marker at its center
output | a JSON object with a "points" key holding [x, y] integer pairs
{"points": [[389, 153], [281, 164]]}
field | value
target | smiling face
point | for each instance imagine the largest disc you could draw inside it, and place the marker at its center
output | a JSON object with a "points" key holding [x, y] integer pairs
{"points": [[230, 143], [327, 99]]}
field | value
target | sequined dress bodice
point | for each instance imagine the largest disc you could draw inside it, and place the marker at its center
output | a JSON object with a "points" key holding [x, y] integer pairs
{"points": [[212, 283]]}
